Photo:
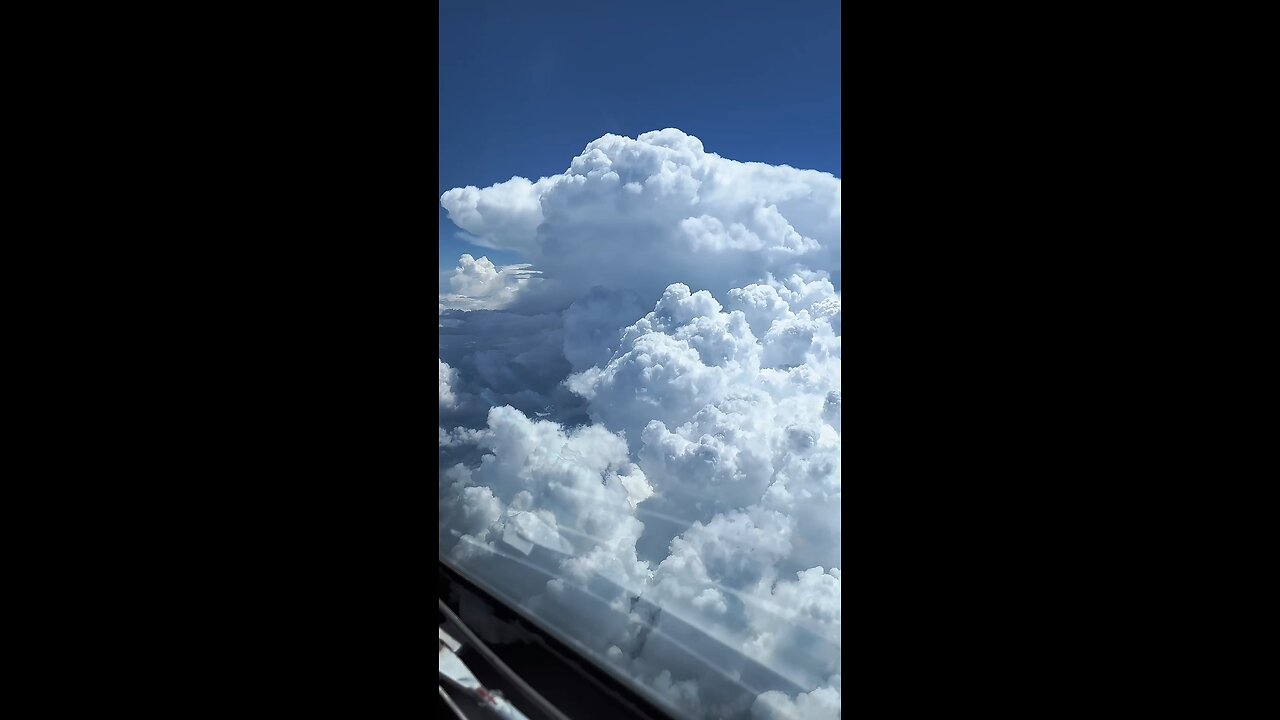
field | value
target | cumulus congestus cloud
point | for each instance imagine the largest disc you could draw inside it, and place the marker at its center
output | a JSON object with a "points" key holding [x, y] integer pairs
{"points": [[640, 427], [656, 210]]}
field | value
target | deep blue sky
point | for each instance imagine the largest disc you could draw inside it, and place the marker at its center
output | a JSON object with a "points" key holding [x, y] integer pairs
{"points": [[524, 86]]}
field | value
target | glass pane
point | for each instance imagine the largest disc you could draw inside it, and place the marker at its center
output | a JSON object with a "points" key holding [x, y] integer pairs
{"points": [[640, 364]]}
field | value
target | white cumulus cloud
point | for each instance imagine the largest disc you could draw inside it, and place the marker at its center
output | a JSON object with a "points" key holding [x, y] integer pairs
{"points": [[447, 375], [640, 427], [479, 284]]}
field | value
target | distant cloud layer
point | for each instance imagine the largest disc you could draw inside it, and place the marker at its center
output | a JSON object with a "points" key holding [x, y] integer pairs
{"points": [[640, 429]]}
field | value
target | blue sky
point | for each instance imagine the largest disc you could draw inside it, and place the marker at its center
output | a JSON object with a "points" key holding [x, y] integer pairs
{"points": [[525, 86]]}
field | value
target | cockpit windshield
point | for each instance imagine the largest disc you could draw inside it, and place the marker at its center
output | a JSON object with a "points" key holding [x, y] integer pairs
{"points": [[640, 391]]}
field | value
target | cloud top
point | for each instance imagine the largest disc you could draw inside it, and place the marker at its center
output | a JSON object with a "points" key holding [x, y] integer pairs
{"points": [[642, 214]]}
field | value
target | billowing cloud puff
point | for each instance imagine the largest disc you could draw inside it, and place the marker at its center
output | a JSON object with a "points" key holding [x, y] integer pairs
{"points": [[502, 216], [716, 415], [642, 444]]}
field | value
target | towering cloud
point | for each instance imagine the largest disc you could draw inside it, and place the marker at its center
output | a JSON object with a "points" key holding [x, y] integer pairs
{"points": [[645, 213], [640, 429]]}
